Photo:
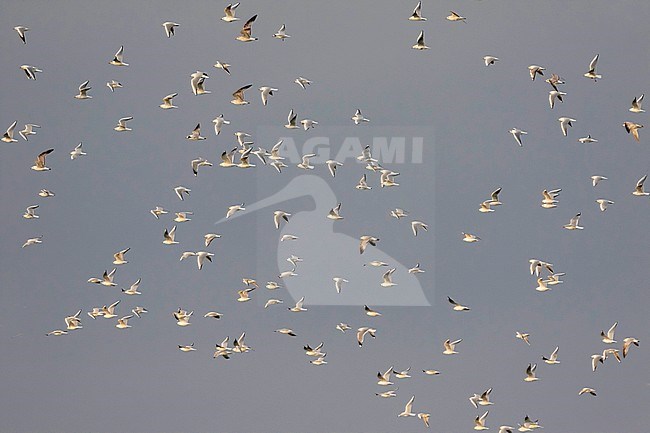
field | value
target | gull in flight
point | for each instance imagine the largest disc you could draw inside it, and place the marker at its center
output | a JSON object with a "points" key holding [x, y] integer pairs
{"points": [[529, 425], [633, 128], [338, 283], [481, 399], [286, 331], [404, 374], [530, 373], [479, 421], [169, 28], [455, 17], [416, 225], [595, 179], [408, 408], [57, 332], [470, 238], [365, 241], [197, 81], [33, 241], [106, 280], [420, 45], [554, 81], [227, 158], [313, 352], [118, 58], [158, 211], [30, 71], [431, 372], [387, 394], [450, 346], [363, 184], [291, 121], [46, 193], [416, 269], [308, 124], [73, 322], [457, 306], [195, 135], [21, 32], [245, 33], [219, 121], [587, 390], [564, 123], [29, 130], [636, 105], [384, 379], [266, 91], [278, 216], [334, 213], [595, 359], [370, 312], [358, 117], [167, 102], [609, 337], [553, 358], [548, 201], [113, 85], [213, 314], [118, 257], [603, 203], [180, 190], [537, 265], [77, 152], [83, 91], [199, 162], [573, 224], [320, 360], [541, 285], [332, 165], [298, 307], [639, 187], [121, 124], [239, 96], [343, 327], [223, 65], [490, 60], [387, 278], [209, 237], [122, 323], [302, 82], [182, 317], [534, 70], [398, 213], [588, 139], [30, 212], [517, 133], [553, 95], [222, 349], [186, 348], [229, 13], [273, 302], [133, 290], [169, 236], [627, 343], [39, 163], [485, 207], [417, 13], [281, 33], [244, 295], [592, 70]]}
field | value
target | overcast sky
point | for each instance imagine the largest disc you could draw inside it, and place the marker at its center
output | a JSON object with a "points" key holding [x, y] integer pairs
{"points": [[443, 101]]}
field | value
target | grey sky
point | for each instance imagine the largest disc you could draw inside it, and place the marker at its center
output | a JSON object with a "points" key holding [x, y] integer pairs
{"points": [[358, 56]]}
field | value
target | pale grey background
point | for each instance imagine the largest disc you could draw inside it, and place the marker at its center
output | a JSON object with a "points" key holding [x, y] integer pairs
{"points": [[358, 55]]}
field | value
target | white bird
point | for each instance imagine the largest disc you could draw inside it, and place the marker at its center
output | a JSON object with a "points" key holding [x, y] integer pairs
{"points": [[633, 128], [183, 317], [387, 394], [197, 82], [308, 123], [77, 152], [595, 179], [603, 203], [416, 225], [541, 285], [636, 105], [265, 92], [186, 348], [8, 136], [118, 257], [39, 163], [455, 17], [639, 187], [157, 211], [363, 184], [209, 237], [553, 95], [27, 131], [384, 378], [199, 162], [229, 13], [370, 312], [530, 373], [167, 102], [304, 164], [592, 69], [335, 213], [574, 223], [517, 133], [273, 302], [490, 60], [121, 124], [534, 70], [83, 91], [213, 315], [169, 236], [201, 256], [170, 28], [479, 421], [365, 241], [244, 295], [195, 135], [219, 121], [586, 140], [30, 212], [180, 190], [343, 327], [468, 237], [245, 33], [595, 359], [398, 213], [21, 32], [320, 360], [133, 290], [118, 59], [408, 409], [73, 322], [404, 374], [33, 241], [358, 117], [416, 269], [338, 283], [609, 337], [332, 165], [30, 71], [485, 207], [523, 336], [457, 306], [299, 306], [431, 372], [46, 193], [123, 322], [238, 95], [417, 13], [281, 33], [106, 279], [450, 346], [565, 122], [112, 85], [587, 390], [302, 82], [627, 343], [419, 44], [552, 359], [286, 331]]}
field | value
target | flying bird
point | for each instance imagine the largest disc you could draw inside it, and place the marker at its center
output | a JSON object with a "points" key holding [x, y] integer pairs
{"points": [[245, 33], [118, 59], [169, 28]]}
